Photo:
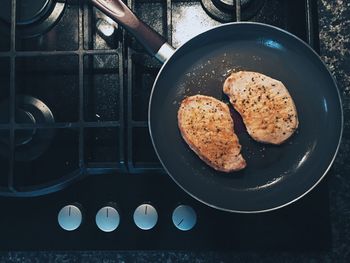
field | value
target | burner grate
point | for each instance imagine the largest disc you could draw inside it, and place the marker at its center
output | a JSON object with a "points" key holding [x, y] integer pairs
{"points": [[102, 75], [53, 80], [88, 128]]}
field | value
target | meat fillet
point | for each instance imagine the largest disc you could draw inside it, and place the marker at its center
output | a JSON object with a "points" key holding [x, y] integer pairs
{"points": [[267, 109], [207, 127]]}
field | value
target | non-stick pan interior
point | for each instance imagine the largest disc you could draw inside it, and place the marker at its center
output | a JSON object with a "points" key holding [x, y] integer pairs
{"points": [[275, 175]]}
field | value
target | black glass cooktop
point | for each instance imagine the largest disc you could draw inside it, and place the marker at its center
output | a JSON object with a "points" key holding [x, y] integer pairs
{"points": [[73, 130]]}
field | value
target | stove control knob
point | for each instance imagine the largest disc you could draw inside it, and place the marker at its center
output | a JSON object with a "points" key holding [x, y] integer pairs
{"points": [[70, 217], [184, 217], [145, 216], [107, 219]]}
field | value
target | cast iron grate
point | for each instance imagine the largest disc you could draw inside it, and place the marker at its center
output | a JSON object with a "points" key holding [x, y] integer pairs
{"points": [[67, 76]]}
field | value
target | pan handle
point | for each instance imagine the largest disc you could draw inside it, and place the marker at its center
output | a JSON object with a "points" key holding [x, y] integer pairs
{"points": [[154, 43]]}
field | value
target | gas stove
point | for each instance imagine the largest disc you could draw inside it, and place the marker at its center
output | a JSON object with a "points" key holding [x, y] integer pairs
{"points": [[78, 170]]}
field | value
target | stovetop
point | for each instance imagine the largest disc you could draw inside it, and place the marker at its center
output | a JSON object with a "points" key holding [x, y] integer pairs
{"points": [[74, 136]]}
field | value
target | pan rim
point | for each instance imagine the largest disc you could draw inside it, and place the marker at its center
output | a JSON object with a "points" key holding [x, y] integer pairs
{"points": [[341, 119]]}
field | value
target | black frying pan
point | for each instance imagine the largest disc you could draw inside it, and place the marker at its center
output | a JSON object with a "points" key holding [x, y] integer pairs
{"points": [[275, 175]]}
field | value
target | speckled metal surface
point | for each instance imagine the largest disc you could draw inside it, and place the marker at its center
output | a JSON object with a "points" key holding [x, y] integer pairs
{"points": [[335, 50]]}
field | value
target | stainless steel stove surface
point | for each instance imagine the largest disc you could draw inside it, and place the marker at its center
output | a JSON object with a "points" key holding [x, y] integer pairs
{"points": [[78, 170]]}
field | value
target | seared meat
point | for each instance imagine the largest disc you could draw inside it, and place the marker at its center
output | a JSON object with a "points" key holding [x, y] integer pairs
{"points": [[207, 127], [267, 109]]}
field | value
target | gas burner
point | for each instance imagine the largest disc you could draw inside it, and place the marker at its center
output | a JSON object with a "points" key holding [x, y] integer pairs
{"points": [[30, 142], [33, 18], [224, 10]]}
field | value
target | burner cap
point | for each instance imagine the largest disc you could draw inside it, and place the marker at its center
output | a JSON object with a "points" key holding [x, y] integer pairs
{"points": [[31, 11], [24, 136], [27, 12], [30, 143], [230, 4], [32, 17], [224, 10]]}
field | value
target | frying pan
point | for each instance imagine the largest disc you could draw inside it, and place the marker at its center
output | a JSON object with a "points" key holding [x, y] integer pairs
{"points": [[275, 175]]}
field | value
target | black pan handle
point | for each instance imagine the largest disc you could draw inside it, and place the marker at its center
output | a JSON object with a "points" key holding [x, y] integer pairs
{"points": [[154, 43]]}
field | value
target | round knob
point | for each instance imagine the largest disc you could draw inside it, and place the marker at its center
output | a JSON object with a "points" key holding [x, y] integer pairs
{"points": [[184, 217], [107, 219], [70, 217], [145, 216]]}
